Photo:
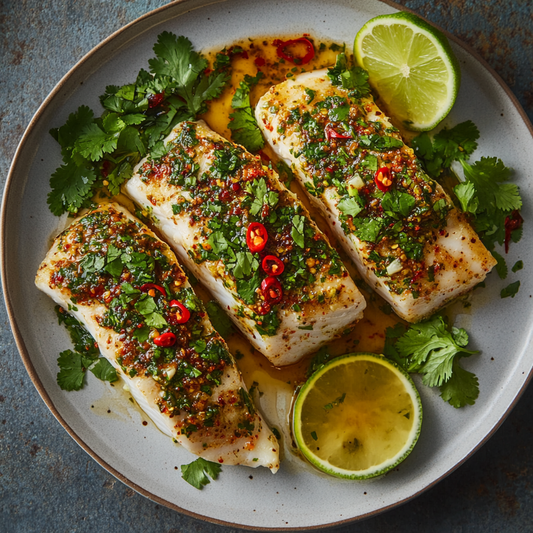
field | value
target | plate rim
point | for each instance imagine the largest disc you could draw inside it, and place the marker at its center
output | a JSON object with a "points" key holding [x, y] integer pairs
{"points": [[24, 353]]}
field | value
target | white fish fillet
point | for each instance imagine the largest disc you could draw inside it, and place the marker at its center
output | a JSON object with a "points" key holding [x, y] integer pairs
{"points": [[446, 261], [309, 315], [223, 441]]}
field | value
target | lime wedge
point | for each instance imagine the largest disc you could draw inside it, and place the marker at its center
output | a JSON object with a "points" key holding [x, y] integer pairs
{"points": [[357, 417], [411, 66]]}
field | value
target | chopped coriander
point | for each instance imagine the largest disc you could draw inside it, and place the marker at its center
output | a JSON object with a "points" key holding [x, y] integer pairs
{"points": [[297, 232], [511, 290], [319, 360], [219, 319]]}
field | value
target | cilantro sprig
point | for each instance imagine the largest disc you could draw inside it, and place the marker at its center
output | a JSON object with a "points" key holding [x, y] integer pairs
{"points": [[448, 145], [103, 150], [73, 364], [485, 193], [243, 126], [433, 349], [350, 77]]}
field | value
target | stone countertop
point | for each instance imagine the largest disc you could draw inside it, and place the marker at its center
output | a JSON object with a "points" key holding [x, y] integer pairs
{"points": [[47, 482]]}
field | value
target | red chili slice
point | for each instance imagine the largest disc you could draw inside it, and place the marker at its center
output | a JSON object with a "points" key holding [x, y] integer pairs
{"points": [[106, 168], [289, 56], [147, 286], [512, 222], [256, 237], [383, 179], [166, 340], [272, 290], [182, 313], [332, 134], [272, 265], [155, 99], [224, 196], [264, 309]]}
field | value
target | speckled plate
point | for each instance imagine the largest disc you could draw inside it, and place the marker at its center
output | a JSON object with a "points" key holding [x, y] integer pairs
{"points": [[143, 458]]}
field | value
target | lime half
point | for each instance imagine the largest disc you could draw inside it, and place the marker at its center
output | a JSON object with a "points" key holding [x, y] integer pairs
{"points": [[357, 417], [412, 67]]}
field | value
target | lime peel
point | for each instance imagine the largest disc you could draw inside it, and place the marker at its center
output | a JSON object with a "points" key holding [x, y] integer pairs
{"points": [[357, 417], [412, 67]]}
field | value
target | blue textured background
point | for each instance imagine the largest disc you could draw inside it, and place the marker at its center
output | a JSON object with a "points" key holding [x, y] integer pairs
{"points": [[47, 483]]}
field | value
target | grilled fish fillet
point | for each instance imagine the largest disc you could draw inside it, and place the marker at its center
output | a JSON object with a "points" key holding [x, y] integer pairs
{"points": [[205, 196], [399, 226], [125, 286]]}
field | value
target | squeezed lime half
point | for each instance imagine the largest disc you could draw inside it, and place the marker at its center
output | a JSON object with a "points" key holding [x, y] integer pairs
{"points": [[357, 417]]}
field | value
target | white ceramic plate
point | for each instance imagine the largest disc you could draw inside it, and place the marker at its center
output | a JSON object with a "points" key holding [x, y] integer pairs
{"points": [[140, 456]]}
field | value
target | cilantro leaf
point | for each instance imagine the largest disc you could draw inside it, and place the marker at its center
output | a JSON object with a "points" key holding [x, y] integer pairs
{"points": [[142, 334], [92, 263], [461, 389], [244, 127], [71, 187], [338, 114], [219, 319], [71, 371], [350, 206], [396, 202], [262, 196], [245, 264], [81, 338], [247, 288], [269, 324], [368, 229], [218, 242], [104, 370], [245, 130], [94, 142], [501, 265], [297, 231], [177, 60], [487, 176], [494, 199], [67, 134], [466, 194], [197, 472], [511, 290], [381, 143], [148, 308]]}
